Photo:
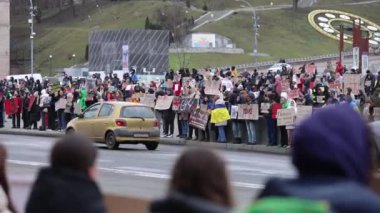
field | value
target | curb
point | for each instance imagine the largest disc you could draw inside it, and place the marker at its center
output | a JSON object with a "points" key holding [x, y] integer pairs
{"points": [[166, 141]]}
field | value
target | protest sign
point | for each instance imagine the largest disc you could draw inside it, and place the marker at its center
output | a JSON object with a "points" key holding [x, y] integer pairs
{"points": [[163, 102], [199, 119], [303, 112], [335, 85], [187, 105], [203, 107], [90, 84], [285, 117], [248, 112], [228, 84], [148, 100], [376, 113], [234, 112], [292, 94], [352, 81], [212, 87], [311, 69], [265, 107], [176, 103]]}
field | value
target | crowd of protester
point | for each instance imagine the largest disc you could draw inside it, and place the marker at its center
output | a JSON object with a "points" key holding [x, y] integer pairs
{"points": [[335, 165], [32, 101]]}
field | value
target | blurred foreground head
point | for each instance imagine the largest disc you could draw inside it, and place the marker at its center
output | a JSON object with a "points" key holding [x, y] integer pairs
{"points": [[335, 141], [201, 173], [74, 152]]}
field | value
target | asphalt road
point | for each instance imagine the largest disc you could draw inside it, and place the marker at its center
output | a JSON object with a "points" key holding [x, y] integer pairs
{"points": [[134, 171]]}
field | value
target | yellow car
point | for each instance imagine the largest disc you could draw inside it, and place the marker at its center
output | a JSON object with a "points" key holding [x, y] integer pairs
{"points": [[115, 123]]}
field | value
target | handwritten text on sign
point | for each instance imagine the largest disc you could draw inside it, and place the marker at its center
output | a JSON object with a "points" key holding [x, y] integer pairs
{"points": [[212, 87], [148, 100], [285, 117], [248, 112], [199, 119]]}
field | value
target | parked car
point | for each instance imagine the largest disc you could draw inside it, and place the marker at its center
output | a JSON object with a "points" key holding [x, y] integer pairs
{"points": [[115, 123], [278, 67]]}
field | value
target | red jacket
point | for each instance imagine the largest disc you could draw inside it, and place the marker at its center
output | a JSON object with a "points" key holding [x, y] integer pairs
{"points": [[275, 108], [176, 88]]}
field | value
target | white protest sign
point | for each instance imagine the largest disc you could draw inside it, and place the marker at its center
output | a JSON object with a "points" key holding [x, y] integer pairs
{"points": [[212, 87], [352, 81], [285, 117], [265, 107], [164, 102], [148, 99], [248, 112], [228, 84], [234, 112]]}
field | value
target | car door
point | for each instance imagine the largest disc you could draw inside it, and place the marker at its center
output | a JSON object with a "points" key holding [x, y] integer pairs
{"points": [[83, 125], [104, 120]]}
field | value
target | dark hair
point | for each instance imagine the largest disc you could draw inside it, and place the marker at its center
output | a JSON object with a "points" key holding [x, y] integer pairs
{"points": [[74, 152], [3, 177], [202, 173]]}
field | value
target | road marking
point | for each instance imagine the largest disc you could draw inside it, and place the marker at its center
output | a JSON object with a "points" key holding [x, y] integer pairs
{"points": [[135, 173]]}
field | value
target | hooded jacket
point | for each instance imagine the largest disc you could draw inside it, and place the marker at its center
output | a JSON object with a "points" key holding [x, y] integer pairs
{"points": [[331, 151], [185, 204], [64, 191]]}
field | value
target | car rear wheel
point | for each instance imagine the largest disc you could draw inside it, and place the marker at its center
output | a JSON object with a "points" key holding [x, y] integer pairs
{"points": [[151, 146], [111, 141], [70, 131]]}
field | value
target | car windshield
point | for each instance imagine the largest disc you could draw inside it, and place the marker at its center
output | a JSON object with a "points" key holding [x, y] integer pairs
{"points": [[136, 112]]}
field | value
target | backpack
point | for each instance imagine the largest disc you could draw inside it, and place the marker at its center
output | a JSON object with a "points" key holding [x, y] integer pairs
{"points": [[286, 204]]}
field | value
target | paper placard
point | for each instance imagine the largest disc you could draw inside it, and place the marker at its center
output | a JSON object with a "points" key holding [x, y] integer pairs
{"points": [[352, 81], [163, 102], [265, 107], [212, 87], [285, 117], [148, 99], [234, 112], [199, 119], [248, 112]]}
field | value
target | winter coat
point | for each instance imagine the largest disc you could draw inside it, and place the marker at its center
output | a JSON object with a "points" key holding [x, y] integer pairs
{"points": [[64, 191], [185, 204]]}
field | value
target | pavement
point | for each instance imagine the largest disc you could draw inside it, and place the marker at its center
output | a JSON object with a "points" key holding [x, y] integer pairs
{"points": [[136, 172], [7, 130]]}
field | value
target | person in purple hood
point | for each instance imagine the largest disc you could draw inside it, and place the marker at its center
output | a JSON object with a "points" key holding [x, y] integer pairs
{"points": [[332, 153]]}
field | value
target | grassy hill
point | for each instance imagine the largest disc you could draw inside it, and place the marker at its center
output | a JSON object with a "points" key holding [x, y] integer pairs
{"points": [[283, 33]]}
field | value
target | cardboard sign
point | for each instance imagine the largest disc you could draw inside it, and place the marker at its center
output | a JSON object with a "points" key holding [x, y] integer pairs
{"points": [[176, 103], [188, 105], [148, 100], [285, 117], [311, 69], [352, 81], [234, 112], [303, 112], [265, 108], [335, 86], [199, 119], [163, 102], [248, 112], [212, 87], [203, 107]]}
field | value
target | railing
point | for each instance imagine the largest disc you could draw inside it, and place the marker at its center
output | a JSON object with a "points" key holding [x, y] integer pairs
{"points": [[319, 58]]}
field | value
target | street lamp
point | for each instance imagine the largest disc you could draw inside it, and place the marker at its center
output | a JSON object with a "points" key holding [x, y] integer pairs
{"points": [[73, 56], [51, 64], [32, 10], [255, 29]]}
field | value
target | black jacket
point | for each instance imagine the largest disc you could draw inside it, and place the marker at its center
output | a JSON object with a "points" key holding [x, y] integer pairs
{"points": [[64, 191], [185, 204]]}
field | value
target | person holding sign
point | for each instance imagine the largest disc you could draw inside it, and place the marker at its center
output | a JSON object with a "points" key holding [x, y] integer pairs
{"points": [[219, 117]]}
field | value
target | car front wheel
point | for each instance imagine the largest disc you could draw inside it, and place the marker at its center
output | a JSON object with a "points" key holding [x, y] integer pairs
{"points": [[151, 146], [111, 141]]}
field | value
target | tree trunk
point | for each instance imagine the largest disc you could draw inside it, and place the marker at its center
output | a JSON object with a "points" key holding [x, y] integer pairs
{"points": [[295, 4]]}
